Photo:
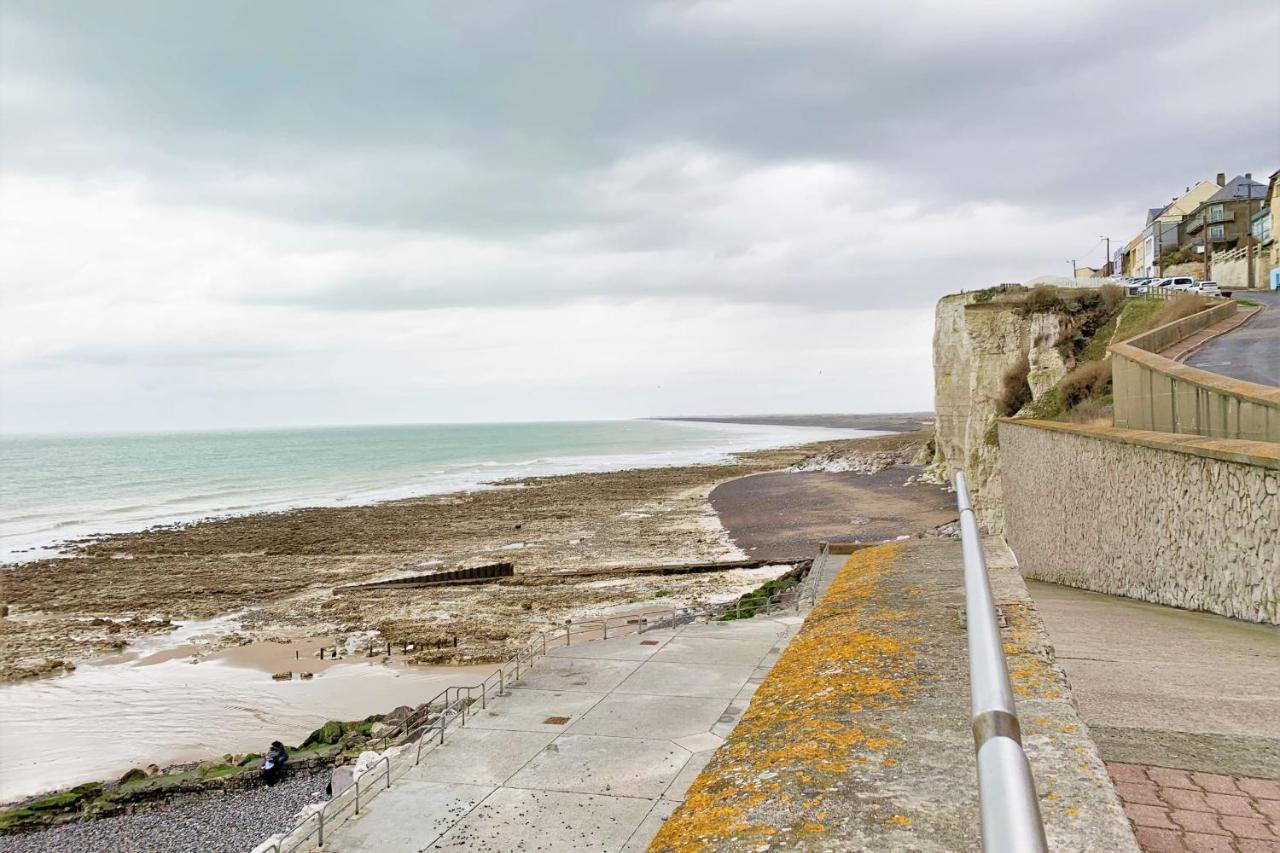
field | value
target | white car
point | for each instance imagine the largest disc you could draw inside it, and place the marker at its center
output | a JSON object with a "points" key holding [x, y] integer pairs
{"points": [[1207, 288], [1182, 282]]}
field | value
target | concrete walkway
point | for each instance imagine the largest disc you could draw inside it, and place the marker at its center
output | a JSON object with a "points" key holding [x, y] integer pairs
{"points": [[1185, 709], [592, 751]]}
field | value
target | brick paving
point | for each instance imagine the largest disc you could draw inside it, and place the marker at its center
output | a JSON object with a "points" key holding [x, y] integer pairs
{"points": [[1183, 811]]}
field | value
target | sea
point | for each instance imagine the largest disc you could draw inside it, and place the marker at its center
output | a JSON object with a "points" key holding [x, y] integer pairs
{"points": [[56, 488]]}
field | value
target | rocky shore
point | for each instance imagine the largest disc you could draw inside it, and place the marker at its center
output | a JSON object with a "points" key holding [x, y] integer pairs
{"points": [[569, 528], [277, 571]]}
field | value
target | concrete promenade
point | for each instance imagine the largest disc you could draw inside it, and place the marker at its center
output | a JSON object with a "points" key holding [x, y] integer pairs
{"points": [[591, 751], [1185, 709]]}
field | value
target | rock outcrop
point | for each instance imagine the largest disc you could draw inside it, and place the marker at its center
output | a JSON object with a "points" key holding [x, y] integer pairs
{"points": [[974, 345]]}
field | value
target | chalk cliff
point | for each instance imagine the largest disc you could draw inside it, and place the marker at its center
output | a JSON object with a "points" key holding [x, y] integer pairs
{"points": [[974, 345]]}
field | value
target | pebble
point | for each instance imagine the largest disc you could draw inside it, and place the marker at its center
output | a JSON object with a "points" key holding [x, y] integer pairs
{"points": [[229, 823]]}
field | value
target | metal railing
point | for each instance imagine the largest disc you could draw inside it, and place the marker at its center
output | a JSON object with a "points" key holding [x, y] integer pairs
{"points": [[1007, 798], [816, 571], [425, 729]]}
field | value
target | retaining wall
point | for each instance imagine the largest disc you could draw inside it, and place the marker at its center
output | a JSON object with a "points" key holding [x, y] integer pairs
{"points": [[1231, 269], [1155, 393], [1178, 520]]}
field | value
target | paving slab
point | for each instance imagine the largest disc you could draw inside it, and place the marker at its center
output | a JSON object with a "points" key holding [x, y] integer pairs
{"points": [[737, 629], [528, 709], [591, 675], [1138, 665], [677, 679], [519, 819], [443, 803], [701, 742], [477, 756], [630, 647], [729, 717], [638, 715], [590, 764], [649, 826], [698, 650], [608, 778], [680, 785]]}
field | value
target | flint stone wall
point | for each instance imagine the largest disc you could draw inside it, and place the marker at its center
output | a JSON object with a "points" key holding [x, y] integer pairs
{"points": [[1177, 520]]}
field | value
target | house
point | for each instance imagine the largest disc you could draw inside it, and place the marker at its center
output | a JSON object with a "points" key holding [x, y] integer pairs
{"points": [[1160, 233], [1264, 224], [1223, 219]]}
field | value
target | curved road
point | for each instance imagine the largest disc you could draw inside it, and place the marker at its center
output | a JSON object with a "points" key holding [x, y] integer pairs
{"points": [[1251, 352]]}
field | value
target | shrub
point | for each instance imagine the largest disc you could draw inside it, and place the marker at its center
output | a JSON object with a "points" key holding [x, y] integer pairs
{"points": [[1015, 391], [1041, 298], [1092, 379], [1178, 256], [1112, 296], [1099, 411]]}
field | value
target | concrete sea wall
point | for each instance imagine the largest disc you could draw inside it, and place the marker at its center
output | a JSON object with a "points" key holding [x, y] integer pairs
{"points": [[1179, 520], [1155, 393]]}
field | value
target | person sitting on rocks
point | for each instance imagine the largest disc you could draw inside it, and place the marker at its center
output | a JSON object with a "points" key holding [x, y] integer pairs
{"points": [[273, 764]]}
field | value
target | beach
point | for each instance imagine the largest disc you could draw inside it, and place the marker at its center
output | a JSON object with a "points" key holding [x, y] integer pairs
{"points": [[275, 572], [110, 631]]}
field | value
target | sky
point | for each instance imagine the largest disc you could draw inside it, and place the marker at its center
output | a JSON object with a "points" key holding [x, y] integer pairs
{"points": [[242, 214]]}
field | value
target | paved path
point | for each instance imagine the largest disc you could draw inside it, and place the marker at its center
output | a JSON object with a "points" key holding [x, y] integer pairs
{"points": [[592, 750], [1193, 343], [1251, 353], [1181, 696], [1175, 811]]}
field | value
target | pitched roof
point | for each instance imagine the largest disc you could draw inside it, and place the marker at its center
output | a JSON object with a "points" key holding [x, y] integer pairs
{"points": [[1238, 187]]}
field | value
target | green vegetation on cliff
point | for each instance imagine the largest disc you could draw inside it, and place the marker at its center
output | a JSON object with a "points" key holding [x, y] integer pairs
{"points": [[1084, 394]]}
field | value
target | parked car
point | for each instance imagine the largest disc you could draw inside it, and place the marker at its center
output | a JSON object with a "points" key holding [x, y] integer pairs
{"points": [[1182, 282], [1207, 288]]}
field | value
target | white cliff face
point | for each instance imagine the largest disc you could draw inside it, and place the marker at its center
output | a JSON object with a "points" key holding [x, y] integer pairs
{"points": [[974, 345]]}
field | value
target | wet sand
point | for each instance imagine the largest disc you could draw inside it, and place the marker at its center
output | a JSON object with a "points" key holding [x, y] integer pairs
{"points": [[778, 515]]}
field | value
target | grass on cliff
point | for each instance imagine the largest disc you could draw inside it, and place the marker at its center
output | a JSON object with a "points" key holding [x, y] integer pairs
{"points": [[1084, 394]]}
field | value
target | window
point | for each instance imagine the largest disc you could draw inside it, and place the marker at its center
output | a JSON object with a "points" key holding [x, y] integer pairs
{"points": [[1217, 232], [1215, 213]]}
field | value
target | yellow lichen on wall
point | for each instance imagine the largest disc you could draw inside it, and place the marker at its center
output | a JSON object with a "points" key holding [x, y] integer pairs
{"points": [[799, 730]]}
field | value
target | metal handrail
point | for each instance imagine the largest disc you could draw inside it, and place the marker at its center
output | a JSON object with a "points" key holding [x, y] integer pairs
{"points": [[1007, 798], [415, 727], [824, 553]]}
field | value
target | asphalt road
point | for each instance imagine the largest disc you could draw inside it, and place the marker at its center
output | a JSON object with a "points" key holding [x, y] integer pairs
{"points": [[1251, 352]]}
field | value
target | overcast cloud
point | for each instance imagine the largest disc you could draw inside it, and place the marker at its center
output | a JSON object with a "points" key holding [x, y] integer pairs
{"points": [[244, 213]]}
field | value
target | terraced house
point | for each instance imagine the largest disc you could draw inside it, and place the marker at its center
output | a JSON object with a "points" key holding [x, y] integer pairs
{"points": [[1223, 219], [1263, 225]]}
